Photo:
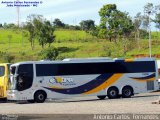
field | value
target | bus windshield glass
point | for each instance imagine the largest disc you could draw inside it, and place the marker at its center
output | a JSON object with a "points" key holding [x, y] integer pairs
{"points": [[12, 70], [1, 71], [21, 77], [12, 81]]}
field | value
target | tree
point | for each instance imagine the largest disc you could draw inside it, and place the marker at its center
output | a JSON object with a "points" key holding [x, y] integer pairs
{"points": [[87, 25], [31, 29], [49, 32], [10, 26], [94, 32], [29, 26], [41, 29], [49, 53], [114, 23], [44, 31], [5, 25], [157, 21], [126, 28], [148, 10], [137, 24], [105, 29], [58, 23], [157, 17], [145, 22]]}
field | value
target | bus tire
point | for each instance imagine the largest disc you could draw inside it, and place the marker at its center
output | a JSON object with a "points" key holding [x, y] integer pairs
{"points": [[40, 96], [102, 97], [112, 93], [127, 92]]}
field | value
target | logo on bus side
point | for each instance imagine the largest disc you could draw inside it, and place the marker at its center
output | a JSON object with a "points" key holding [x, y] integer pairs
{"points": [[62, 81]]}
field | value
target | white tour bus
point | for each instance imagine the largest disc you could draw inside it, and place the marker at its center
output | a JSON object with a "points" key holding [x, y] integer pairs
{"points": [[36, 81]]}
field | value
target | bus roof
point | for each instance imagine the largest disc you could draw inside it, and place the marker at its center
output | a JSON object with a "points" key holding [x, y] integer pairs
{"points": [[5, 63], [87, 59], [82, 60]]}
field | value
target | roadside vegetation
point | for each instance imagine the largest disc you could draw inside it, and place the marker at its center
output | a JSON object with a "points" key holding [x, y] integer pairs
{"points": [[117, 35]]}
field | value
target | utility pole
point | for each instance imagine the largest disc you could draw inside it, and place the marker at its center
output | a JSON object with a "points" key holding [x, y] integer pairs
{"points": [[18, 13], [149, 10], [149, 28]]}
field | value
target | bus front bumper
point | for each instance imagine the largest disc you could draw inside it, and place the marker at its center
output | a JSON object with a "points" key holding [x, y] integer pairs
{"points": [[14, 95]]}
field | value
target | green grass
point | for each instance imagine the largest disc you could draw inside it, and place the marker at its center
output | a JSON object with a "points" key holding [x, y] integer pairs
{"points": [[73, 44], [72, 35], [16, 36], [156, 35]]}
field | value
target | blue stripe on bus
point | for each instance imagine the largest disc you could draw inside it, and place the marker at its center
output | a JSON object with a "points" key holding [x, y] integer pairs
{"points": [[83, 88]]}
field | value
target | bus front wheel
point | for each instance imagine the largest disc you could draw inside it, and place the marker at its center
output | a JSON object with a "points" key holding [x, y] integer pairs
{"points": [[40, 96]]}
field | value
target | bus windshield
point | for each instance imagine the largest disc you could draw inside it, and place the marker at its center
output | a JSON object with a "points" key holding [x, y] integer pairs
{"points": [[12, 70], [21, 77]]}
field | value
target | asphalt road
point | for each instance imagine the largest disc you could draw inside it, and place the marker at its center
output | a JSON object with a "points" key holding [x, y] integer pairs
{"points": [[82, 106], [139, 104]]}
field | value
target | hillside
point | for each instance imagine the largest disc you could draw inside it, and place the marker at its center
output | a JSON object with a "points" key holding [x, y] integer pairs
{"points": [[72, 43]]}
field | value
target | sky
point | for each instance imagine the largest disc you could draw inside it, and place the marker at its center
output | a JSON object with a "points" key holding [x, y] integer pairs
{"points": [[69, 11]]}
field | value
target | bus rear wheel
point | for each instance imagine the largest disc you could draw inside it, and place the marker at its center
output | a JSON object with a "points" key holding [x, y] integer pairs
{"points": [[112, 93], [40, 97], [102, 97], [127, 92]]}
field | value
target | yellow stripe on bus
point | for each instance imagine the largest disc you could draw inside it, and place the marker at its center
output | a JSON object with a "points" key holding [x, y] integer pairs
{"points": [[107, 83], [55, 87], [129, 60]]}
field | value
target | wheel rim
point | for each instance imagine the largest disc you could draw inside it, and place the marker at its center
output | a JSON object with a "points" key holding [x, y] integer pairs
{"points": [[127, 92], [113, 93], [41, 97]]}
